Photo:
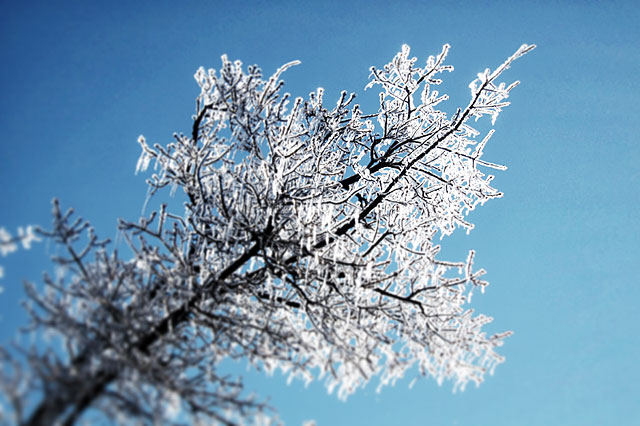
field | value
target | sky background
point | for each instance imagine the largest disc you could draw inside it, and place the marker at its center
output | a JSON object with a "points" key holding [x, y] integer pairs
{"points": [[80, 81]]}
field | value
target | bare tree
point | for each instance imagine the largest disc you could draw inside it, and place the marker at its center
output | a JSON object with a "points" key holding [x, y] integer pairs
{"points": [[304, 244]]}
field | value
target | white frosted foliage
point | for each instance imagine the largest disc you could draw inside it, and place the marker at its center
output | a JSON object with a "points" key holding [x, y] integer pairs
{"points": [[9, 244], [304, 244]]}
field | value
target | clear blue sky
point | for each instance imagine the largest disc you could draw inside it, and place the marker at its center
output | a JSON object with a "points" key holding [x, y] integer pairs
{"points": [[80, 81]]}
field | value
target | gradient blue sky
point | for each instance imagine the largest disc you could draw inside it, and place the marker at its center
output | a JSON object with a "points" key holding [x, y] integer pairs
{"points": [[80, 81]]}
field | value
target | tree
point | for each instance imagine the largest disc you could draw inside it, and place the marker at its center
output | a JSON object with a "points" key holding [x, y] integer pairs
{"points": [[303, 242]]}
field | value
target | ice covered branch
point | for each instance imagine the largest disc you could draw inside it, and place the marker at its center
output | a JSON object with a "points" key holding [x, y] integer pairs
{"points": [[305, 245]]}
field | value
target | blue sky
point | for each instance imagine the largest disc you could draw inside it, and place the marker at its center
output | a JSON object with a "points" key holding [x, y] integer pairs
{"points": [[81, 80]]}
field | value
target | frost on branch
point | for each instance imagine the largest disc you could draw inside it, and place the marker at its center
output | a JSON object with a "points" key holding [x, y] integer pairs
{"points": [[9, 244], [305, 245]]}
